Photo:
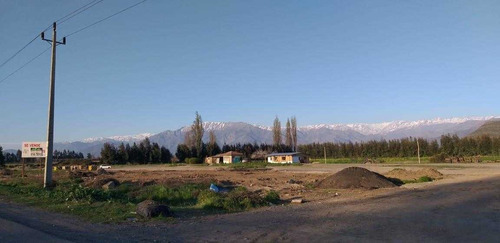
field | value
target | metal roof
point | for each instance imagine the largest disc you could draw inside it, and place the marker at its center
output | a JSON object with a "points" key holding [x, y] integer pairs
{"points": [[283, 154]]}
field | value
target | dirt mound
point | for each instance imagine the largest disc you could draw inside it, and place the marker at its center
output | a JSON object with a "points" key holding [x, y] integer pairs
{"points": [[355, 177], [407, 175]]}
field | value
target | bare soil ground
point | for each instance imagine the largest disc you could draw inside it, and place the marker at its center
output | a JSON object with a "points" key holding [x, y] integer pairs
{"points": [[463, 206]]}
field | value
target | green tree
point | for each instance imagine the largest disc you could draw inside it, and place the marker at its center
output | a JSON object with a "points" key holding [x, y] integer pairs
{"points": [[197, 132], [183, 152], [155, 153], [288, 134], [212, 146], [294, 132], [108, 153], [19, 155], [146, 150], [277, 132], [2, 158], [166, 156], [122, 154]]}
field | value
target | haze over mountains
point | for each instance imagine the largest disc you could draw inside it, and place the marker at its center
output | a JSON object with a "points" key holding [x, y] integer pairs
{"points": [[240, 132]]}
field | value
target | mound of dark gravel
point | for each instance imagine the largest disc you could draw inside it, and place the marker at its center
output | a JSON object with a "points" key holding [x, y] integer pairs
{"points": [[355, 177]]}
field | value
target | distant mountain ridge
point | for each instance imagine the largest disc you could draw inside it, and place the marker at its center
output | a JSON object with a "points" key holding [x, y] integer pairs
{"points": [[490, 128], [241, 132]]}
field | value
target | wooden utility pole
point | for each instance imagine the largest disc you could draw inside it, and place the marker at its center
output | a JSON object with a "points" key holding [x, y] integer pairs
{"points": [[324, 152], [47, 180], [22, 171], [418, 151]]}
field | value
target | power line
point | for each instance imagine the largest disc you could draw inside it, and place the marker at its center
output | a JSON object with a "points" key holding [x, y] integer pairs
{"points": [[78, 11], [15, 54], [24, 65], [63, 19], [97, 22]]}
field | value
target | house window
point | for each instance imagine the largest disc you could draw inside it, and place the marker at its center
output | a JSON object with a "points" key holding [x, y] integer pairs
{"points": [[283, 158]]}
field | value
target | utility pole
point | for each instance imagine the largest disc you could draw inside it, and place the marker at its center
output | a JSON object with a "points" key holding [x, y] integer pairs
{"points": [[47, 179], [418, 151], [324, 152]]}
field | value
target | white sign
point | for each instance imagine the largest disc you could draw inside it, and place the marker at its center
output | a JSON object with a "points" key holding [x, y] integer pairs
{"points": [[34, 150]]}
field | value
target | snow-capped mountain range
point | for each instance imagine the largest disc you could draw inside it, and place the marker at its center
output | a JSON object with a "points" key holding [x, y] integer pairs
{"points": [[125, 138], [240, 132]]}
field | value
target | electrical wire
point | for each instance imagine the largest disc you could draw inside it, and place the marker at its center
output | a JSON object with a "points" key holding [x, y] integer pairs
{"points": [[99, 21], [24, 65], [63, 19], [78, 11], [15, 54]]}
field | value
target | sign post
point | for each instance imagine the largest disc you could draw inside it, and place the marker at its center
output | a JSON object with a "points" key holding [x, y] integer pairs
{"points": [[33, 150]]}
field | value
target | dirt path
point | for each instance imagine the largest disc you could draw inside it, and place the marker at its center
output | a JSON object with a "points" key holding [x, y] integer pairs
{"points": [[463, 208]]}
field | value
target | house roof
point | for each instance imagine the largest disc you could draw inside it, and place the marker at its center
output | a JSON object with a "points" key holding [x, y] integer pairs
{"points": [[283, 154], [230, 153]]}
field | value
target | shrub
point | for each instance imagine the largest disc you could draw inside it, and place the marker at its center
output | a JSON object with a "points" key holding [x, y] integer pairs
{"points": [[438, 158], [424, 179], [210, 200], [183, 195], [272, 197], [193, 160], [237, 200]]}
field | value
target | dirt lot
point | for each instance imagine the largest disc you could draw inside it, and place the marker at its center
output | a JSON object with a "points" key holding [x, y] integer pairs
{"points": [[291, 181], [463, 206]]}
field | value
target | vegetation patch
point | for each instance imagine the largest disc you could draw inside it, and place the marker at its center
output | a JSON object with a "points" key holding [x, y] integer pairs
{"points": [[248, 165], [419, 180], [95, 204]]}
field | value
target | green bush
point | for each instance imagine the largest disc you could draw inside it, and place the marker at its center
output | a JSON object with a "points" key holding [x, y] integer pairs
{"points": [[237, 200], [193, 160], [178, 196], [438, 158], [272, 197], [210, 200], [424, 179]]}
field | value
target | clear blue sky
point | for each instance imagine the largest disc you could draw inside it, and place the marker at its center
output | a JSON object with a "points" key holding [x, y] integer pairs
{"points": [[150, 68]]}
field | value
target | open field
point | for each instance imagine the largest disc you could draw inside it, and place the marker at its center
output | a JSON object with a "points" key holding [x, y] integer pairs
{"points": [[462, 206]]}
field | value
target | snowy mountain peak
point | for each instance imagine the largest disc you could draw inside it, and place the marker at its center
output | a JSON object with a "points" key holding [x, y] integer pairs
{"points": [[126, 138], [387, 127]]}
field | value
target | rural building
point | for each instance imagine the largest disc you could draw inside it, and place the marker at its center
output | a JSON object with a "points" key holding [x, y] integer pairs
{"points": [[225, 158], [293, 157]]}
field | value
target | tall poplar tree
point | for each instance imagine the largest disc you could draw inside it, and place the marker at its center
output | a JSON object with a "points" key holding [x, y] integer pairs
{"points": [[288, 136], [294, 132], [277, 132], [197, 133]]}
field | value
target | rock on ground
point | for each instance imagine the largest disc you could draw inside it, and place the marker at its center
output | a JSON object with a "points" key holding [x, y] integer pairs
{"points": [[150, 208]]}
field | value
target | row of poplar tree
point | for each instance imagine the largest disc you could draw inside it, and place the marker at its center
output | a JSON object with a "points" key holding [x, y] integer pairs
{"points": [[449, 145]]}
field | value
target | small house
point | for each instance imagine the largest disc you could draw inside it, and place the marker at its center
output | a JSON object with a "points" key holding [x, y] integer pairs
{"points": [[283, 158], [225, 158]]}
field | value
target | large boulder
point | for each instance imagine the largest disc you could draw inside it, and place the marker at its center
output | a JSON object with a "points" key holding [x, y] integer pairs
{"points": [[100, 183], [109, 185], [150, 208]]}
